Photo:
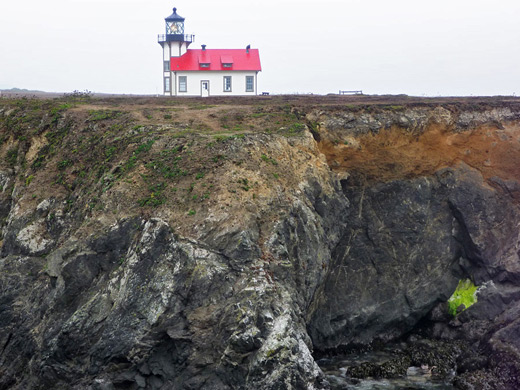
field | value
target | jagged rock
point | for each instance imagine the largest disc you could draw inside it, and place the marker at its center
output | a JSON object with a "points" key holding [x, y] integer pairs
{"points": [[31, 239], [380, 284]]}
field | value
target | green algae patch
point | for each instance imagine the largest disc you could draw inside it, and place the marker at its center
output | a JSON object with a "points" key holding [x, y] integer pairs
{"points": [[465, 294]]}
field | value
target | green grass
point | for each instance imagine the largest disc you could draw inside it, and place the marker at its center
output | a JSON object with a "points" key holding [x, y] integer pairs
{"points": [[12, 156], [296, 128], [259, 114], [167, 164], [100, 115], [63, 164], [143, 148], [465, 294], [268, 159], [109, 152], [155, 198], [28, 180], [244, 184], [396, 108]]}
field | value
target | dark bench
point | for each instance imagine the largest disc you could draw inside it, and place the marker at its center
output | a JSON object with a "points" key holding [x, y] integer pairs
{"points": [[351, 92]]}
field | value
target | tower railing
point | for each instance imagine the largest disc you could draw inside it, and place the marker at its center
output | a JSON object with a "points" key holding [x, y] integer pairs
{"points": [[175, 37]]}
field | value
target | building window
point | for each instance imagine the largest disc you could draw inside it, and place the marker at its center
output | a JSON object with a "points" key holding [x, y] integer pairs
{"points": [[166, 84], [183, 83], [227, 83], [166, 66], [250, 86]]}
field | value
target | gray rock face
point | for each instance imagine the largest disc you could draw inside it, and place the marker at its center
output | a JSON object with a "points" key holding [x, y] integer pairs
{"points": [[397, 258], [415, 120], [136, 307], [405, 248]]}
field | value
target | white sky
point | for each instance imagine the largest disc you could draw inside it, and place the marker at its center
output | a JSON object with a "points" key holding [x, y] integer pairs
{"points": [[442, 47]]}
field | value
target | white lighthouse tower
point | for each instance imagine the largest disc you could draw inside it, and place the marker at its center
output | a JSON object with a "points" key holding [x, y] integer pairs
{"points": [[174, 43]]}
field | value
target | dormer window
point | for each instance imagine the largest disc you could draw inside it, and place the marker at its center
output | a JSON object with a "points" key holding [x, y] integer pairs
{"points": [[226, 61], [204, 60]]}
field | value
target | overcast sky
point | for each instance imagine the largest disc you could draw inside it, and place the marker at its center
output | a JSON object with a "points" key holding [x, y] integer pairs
{"points": [[442, 47]]}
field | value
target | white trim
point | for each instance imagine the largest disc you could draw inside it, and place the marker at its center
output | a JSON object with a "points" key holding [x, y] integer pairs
{"points": [[185, 82], [252, 83], [225, 86]]}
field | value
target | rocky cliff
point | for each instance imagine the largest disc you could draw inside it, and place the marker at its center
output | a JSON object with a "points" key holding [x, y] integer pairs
{"points": [[224, 244]]}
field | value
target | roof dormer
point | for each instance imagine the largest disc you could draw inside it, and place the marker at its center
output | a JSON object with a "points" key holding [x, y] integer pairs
{"points": [[226, 61]]}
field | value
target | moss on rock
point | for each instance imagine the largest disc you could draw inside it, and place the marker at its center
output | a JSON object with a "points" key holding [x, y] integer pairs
{"points": [[465, 294]]}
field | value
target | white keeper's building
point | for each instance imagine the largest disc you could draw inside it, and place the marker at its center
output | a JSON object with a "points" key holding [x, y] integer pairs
{"points": [[205, 72]]}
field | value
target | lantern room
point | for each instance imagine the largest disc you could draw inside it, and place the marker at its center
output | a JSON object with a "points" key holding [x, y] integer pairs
{"points": [[174, 24]]}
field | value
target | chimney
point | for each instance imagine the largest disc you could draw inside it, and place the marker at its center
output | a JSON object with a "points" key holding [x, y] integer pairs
{"points": [[247, 48], [203, 47]]}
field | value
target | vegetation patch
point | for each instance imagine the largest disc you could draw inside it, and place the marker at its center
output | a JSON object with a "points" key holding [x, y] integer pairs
{"points": [[167, 164], [155, 198], [201, 107], [269, 159], [143, 148], [244, 184], [295, 128], [225, 138], [465, 294], [63, 164], [100, 115], [396, 108], [12, 156], [79, 96], [28, 180], [109, 152], [55, 138]]}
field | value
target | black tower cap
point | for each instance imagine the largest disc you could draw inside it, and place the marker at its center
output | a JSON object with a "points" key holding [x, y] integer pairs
{"points": [[174, 17]]}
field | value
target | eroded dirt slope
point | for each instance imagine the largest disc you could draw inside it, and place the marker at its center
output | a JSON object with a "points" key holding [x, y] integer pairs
{"points": [[414, 143]]}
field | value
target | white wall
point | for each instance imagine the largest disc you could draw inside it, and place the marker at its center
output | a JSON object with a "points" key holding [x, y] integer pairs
{"points": [[184, 48], [166, 51], [173, 49], [216, 82]]}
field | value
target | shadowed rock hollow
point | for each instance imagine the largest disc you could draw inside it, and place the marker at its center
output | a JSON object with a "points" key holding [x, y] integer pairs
{"points": [[221, 244]]}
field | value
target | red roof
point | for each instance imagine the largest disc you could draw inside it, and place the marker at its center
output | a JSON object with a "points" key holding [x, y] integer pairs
{"points": [[239, 59]]}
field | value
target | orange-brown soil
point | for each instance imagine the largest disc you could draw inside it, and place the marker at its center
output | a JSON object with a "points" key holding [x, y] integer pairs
{"points": [[395, 153]]}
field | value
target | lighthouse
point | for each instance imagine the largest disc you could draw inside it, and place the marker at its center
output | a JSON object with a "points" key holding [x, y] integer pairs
{"points": [[205, 72], [174, 44]]}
